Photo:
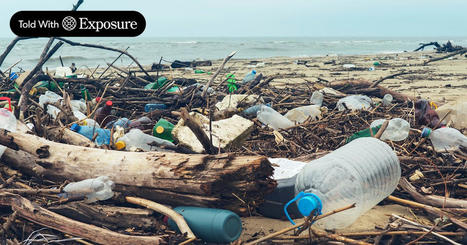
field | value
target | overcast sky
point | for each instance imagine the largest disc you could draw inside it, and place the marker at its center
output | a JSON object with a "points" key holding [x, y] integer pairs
{"points": [[323, 18]]}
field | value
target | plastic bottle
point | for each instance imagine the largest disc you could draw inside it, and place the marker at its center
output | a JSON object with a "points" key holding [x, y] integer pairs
{"points": [[253, 110], [249, 77], [354, 102], [122, 122], [445, 139], [137, 139], [156, 106], [317, 98], [96, 189], [102, 115], [211, 225], [364, 133], [103, 135], [199, 71], [273, 119], [141, 123], [397, 130], [387, 99], [163, 129], [457, 113], [90, 123], [78, 105], [49, 97], [8, 122], [364, 172], [85, 94], [302, 113], [155, 85]]}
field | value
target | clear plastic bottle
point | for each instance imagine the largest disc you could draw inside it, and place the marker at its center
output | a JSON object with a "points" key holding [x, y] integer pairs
{"points": [[137, 139], [249, 77], [96, 189], [445, 139], [273, 119], [397, 130], [302, 113], [8, 122], [364, 171]]}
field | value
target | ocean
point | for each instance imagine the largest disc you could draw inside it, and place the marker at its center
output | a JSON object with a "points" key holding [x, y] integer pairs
{"points": [[149, 50]]}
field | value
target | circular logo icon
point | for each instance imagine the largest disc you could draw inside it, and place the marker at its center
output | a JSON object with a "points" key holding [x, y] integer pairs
{"points": [[69, 23]]}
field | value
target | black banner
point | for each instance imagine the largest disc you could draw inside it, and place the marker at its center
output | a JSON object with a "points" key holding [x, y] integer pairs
{"points": [[77, 23]]}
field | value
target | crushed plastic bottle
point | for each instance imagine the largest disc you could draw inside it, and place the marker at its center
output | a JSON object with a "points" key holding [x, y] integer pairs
{"points": [[354, 102], [317, 98], [397, 130], [137, 139], [302, 113], [249, 77], [103, 135], [141, 123], [457, 113], [364, 172], [122, 122], [273, 119], [445, 139], [8, 122], [96, 189]]}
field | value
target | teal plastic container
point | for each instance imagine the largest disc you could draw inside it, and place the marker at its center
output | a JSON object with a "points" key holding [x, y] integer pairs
{"points": [[209, 224]]}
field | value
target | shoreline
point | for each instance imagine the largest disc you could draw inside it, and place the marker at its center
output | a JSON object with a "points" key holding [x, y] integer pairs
{"points": [[441, 81]]}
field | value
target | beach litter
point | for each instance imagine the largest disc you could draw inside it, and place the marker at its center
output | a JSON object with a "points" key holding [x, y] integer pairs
{"points": [[187, 148]]}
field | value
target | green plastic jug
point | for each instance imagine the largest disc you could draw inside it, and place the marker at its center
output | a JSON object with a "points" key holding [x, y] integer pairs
{"points": [[163, 130]]}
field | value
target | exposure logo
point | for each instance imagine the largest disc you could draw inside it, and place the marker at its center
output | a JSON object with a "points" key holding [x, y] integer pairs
{"points": [[77, 23]]}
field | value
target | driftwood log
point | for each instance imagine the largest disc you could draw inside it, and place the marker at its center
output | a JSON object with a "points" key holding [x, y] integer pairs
{"points": [[364, 87], [224, 181], [42, 216]]}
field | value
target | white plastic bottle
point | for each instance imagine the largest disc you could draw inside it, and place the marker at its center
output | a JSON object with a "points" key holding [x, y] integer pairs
{"points": [[397, 130], [96, 189], [364, 171], [272, 118], [354, 102], [317, 98], [8, 122], [137, 139], [445, 139], [302, 113]]}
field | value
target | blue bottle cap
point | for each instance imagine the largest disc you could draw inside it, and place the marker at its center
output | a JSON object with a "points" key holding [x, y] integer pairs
{"points": [[75, 127], [253, 71], [309, 203], [426, 132]]}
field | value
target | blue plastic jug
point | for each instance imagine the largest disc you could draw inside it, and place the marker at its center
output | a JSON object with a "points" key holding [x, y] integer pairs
{"points": [[103, 135]]}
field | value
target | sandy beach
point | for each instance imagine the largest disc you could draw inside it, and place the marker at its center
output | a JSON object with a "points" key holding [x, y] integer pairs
{"points": [[440, 81]]}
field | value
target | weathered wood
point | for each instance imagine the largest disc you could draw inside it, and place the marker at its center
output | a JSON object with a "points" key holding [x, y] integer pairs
{"points": [[177, 179], [108, 216], [226, 59], [198, 131], [361, 84], [44, 217], [432, 200], [65, 135]]}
